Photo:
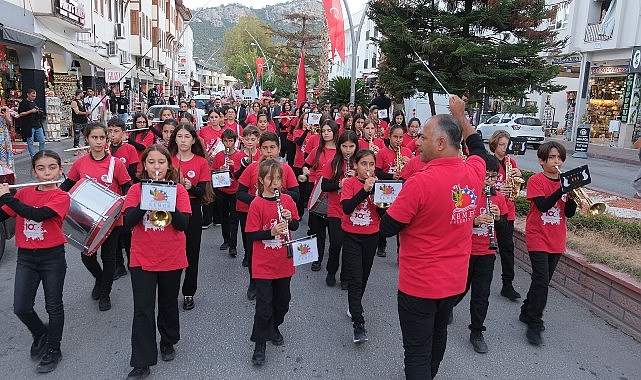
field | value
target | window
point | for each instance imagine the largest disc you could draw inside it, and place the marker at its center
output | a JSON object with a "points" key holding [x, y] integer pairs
{"points": [[365, 64], [375, 33], [373, 61], [493, 119], [366, 35], [562, 16], [135, 22]]}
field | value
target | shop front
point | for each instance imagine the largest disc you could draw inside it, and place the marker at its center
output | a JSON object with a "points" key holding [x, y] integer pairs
{"points": [[606, 89]]}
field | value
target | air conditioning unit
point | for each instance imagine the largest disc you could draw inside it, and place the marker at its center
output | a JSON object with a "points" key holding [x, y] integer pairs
{"points": [[125, 57], [120, 31], [112, 49]]}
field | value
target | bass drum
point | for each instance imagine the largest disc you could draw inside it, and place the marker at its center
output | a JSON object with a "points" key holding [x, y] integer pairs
{"points": [[318, 201]]}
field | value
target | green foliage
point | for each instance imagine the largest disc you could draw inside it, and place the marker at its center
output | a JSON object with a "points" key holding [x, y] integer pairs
{"points": [[625, 230], [238, 52], [522, 206], [528, 110], [526, 174], [339, 91]]}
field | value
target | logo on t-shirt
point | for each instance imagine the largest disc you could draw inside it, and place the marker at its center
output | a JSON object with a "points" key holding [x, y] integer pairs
{"points": [[552, 216], [464, 204], [481, 230], [362, 216], [277, 241], [147, 224], [33, 230], [123, 160], [191, 174]]}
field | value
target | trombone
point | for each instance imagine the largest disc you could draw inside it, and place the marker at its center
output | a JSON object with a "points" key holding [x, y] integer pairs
{"points": [[579, 195]]}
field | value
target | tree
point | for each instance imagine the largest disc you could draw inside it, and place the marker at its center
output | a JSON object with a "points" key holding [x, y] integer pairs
{"points": [[470, 45], [339, 89], [240, 51]]}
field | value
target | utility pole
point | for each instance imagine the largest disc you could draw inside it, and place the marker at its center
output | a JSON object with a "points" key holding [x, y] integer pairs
{"points": [[355, 39]]}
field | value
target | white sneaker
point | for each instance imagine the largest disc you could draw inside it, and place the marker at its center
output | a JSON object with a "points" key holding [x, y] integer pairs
{"points": [[348, 313]]}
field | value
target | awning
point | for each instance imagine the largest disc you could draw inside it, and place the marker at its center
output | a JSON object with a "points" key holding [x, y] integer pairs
{"points": [[159, 78], [21, 37], [142, 75], [88, 55]]}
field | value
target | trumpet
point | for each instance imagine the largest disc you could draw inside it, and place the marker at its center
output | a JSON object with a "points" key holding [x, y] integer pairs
{"points": [[315, 129], [281, 219], [579, 195], [35, 184], [160, 218], [301, 178]]}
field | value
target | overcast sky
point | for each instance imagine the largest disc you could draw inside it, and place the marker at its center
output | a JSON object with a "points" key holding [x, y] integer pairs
{"points": [[354, 5]]}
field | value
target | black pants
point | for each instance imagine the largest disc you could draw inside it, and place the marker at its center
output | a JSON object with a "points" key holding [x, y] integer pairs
{"points": [[50, 267], [291, 152], [543, 266], [479, 278], [318, 226], [242, 218], [336, 237], [125, 243], [193, 233], [505, 241], [104, 275], [77, 132], [424, 329], [144, 284], [358, 257], [229, 225], [283, 143], [272, 303], [382, 240]]}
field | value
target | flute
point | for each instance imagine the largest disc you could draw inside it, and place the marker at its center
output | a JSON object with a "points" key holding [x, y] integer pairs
{"points": [[136, 129], [77, 148], [281, 219], [35, 184]]}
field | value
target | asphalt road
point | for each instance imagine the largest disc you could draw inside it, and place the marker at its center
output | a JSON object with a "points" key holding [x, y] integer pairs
{"points": [[215, 335]]}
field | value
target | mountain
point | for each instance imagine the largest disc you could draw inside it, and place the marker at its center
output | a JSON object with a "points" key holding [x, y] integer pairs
{"points": [[210, 24]]}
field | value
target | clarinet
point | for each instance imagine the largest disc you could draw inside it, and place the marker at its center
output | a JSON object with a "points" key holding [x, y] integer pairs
{"points": [[347, 166], [490, 227], [281, 219], [226, 157]]}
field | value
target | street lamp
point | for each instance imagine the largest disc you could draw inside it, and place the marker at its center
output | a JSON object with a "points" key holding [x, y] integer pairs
{"points": [[255, 43], [355, 39]]}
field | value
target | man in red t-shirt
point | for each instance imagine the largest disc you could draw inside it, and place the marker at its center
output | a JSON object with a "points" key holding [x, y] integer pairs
{"points": [[433, 215]]}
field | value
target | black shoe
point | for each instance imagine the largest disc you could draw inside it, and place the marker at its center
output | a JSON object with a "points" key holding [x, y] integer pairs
{"points": [[478, 342], [360, 334], [523, 319], [381, 252], [258, 358], [344, 285], [119, 272], [533, 336], [188, 303], [245, 262], [38, 346], [233, 252], [95, 292], [224, 247], [138, 373], [316, 266], [49, 361], [167, 353], [277, 339], [251, 292], [105, 303], [450, 318], [330, 280], [508, 292]]}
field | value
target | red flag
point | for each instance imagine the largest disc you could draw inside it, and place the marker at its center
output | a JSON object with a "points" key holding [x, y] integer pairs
{"points": [[260, 62], [301, 87], [336, 25], [284, 67]]}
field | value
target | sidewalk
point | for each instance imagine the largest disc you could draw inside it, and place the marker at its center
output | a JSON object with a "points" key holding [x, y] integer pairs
{"points": [[602, 150]]}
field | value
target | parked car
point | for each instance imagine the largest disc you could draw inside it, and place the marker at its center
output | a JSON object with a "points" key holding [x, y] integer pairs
{"points": [[155, 110], [201, 100], [517, 125]]}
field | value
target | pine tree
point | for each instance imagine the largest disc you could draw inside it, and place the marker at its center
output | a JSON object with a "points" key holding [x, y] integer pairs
{"points": [[468, 44]]}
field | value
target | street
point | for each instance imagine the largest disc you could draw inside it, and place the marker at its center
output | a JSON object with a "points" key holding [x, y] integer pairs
{"points": [[318, 334]]}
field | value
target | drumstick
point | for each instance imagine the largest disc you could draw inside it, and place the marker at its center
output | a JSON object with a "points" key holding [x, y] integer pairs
{"points": [[77, 148], [430, 70]]}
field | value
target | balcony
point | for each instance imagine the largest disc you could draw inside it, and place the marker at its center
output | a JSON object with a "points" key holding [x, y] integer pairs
{"points": [[592, 34]]}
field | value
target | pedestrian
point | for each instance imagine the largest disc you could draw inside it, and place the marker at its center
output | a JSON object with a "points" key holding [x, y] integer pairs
{"points": [[381, 101], [111, 173], [197, 113], [30, 122], [158, 257], [251, 154], [545, 231], [79, 118], [433, 215], [121, 103], [142, 138], [231, 123], [93, 105], [6, 147], [301, 135], [637, 182], [40, 210], [188, 157], [271, 216]]}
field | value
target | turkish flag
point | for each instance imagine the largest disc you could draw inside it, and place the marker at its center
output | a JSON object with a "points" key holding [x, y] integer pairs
{"points": [[336, 24], [260, 62], [301, 86]]}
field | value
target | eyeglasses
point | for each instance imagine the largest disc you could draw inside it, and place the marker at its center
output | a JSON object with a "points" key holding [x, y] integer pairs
{"points": [[491, 176], [141, 122]]}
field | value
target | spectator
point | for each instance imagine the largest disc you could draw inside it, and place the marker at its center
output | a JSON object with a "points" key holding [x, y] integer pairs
{"points": [[30, 122]]}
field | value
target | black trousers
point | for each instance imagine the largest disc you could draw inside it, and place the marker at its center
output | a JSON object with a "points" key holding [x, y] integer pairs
{"points": [[242, 218], [125, 243], [318, 226], [358, 257], [382, 240], [291, 152], [505, 241], [283, 143], [50, 267], [272, 303], [479, 279], [77, 132], [336, 236], [193, 233], [543, 266], [144, 284], [229, 225], [424, 329], [104, 275]]}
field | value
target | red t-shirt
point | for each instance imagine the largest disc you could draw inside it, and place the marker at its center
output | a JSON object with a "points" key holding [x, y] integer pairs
{"points": [[386, 159], [249, 178], [98, 169], [311, 142], [153, 248], [210, 138], [126, 153], [236, 128], [145, 139], [334, 207], [414, 165], [251, 119], [45, 234], [545, 232], [383, 124], [438, 206], [269, 257], [326, 156], [412, 147], [290, 132], [299, 157], [500, 182], [407, 139], [219, 164], [363, 144], [364, 219], [481, 234], [196, 170]]}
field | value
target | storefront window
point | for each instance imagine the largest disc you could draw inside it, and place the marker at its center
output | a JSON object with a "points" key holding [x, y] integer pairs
{"points": [[606, 99]]}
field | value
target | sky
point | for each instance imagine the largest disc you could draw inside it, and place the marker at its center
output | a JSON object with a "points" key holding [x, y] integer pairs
{"points": [[354, 5]]}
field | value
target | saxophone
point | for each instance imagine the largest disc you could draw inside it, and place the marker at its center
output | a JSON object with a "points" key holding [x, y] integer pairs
{"points": [[512, 181], [399, 160], [281, 219], [371, 144]]}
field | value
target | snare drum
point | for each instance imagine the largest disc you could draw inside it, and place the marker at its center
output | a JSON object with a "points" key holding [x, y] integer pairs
{"points": [[93, 211], [318, 201]]}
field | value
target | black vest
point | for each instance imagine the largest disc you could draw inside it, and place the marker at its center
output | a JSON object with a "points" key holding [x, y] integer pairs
{"points": [[79, 119]]}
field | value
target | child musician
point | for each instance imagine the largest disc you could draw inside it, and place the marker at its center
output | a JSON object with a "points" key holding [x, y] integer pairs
{"points": [[111, 173], [479, 274], [143, 138], [250, 154], [369, 140], [39, 212], [211, 137], [167, 128], [545, 232], [301, 136], [157, 258], [188, 156], [271, 216], [334, 174], [361, 222]]}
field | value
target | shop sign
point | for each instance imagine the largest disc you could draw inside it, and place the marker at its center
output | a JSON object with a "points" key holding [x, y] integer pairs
{"points": [[635, 60], [582, 141], [626, 97], [609, 70], [566, 59], [113, 76], [71, 10]]}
